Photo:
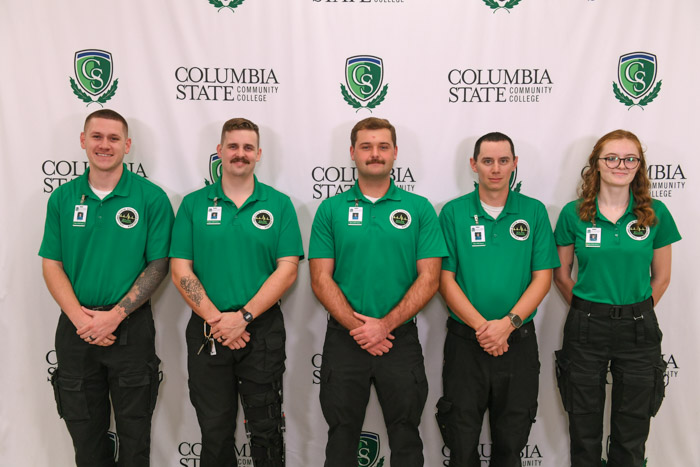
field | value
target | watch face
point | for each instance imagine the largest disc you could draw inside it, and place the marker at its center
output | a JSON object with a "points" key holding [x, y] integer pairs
{"points": [[248, 316], [516, 320]]}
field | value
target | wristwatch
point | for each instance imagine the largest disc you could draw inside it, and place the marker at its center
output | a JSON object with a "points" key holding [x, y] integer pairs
{"points": [[515, 320], [247, 315]]}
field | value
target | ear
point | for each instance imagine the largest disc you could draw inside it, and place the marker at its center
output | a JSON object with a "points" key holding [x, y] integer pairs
{"points": [[515, 161], [82, 139], [472, 162], [257, 159], [218, 150], [352, 153], [396, 151], [127, 145]]}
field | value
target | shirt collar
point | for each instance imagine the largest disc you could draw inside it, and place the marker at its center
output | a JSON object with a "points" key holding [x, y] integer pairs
{"points": [[122, 189], [393, 193], [630, 208], [512, 205], [217, 191]]}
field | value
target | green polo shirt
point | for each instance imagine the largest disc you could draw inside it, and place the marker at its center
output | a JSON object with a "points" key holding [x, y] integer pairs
{"points": [[617, 269], [493, 266], [375, 253], [234, 252], [105, 244]]}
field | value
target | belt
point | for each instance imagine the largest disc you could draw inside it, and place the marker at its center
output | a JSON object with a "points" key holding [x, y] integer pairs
{"points": [[466, 332], [634, 311]]}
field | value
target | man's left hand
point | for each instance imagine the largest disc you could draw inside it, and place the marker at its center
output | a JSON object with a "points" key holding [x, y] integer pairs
{"points": [[371, 333], [228, 326], [102, 325], [493, 335]]}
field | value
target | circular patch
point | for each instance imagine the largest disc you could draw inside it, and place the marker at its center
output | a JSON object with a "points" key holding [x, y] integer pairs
{"points": [[263, 219], [637, 232], [127, 218], [400, 219], [520, 230]]}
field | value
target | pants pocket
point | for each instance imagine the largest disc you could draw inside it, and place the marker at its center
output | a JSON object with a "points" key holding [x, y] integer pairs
{"points": [[71, 400], [581, 391], [659, 386], [139, 392], [274, 352], [638, 394]]}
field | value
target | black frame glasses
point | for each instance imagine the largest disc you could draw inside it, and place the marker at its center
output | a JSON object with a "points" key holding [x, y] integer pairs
{"points": [[613, 162]]}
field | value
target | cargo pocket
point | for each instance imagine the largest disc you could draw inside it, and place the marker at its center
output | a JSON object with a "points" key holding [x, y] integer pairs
{"points": [[71, 400], [581, 391], [139, 392], [443, 415], [635, 394]]}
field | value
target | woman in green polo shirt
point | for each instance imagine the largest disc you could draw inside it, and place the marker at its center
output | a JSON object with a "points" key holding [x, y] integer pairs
{"points": [[622, 240]]}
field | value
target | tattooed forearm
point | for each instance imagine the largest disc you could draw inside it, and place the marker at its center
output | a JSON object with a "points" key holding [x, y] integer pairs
{"points": [[144, 286], [193, 288]]}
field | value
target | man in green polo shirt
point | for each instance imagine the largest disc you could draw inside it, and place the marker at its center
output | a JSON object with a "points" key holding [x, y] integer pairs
{"points": [[375, 255], [105, 250], [499, 268], [235, 250]]}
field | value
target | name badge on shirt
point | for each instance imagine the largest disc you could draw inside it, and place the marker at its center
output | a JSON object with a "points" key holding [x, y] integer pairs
{"points": [[355, 215], [80, 215], [478, 235], [593, 235], [214, 215]]}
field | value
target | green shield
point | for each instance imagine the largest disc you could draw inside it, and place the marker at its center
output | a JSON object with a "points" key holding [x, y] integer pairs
{"points": [[636, 73], [364, 75], [368, 450], [93, 70], [214, 167]]}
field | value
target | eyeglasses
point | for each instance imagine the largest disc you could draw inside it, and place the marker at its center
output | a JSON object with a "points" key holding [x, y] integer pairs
{"points": [[613, 162]]}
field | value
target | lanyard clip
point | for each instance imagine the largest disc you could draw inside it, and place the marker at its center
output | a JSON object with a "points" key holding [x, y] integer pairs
{"points": [[476, 219], [216, 200], [82, 199]]}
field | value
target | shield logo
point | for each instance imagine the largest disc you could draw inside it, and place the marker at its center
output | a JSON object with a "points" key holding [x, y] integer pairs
{"points": [[93, 69], [364, 75], [636, 72], [368, 450], [214, 168]]}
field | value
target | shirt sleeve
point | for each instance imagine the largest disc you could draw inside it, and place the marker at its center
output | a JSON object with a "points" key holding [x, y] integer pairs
{"points": [[181, 241], [160, 223], [322, 243], [51, 242], [289, 243], [565, 231], [666, 230], [544, 251], [450, 262], [431, 243]]}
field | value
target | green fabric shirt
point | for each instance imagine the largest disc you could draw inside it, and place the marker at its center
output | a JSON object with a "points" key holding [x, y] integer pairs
{"points": [[375, 254], [493, 266], [105, 247], [234, 252], [617, 269]]}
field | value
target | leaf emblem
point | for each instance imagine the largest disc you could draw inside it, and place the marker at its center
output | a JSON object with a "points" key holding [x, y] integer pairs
{"points": [[378, 100]]}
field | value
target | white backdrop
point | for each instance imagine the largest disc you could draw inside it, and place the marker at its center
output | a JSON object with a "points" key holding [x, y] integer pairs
{"points": [[553, 64]]}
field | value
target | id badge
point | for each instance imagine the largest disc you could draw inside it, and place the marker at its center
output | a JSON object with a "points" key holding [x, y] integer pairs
{"points": [[80, 215], [593, 237], [478, 235], [214, 215], [355, 215]]}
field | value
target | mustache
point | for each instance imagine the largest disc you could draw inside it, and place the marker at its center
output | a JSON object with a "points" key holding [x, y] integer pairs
{"points": [[375, 161], [240, 159]]}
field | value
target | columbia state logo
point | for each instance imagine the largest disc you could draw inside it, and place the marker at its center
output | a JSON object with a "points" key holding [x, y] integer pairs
{"points": [[93, 75], [368, 450], [637, 232], [127, 218], [263, 219], [400, 219], [230, 4], [364, 75], [636, 74], [496, 5], [520, 230]]}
